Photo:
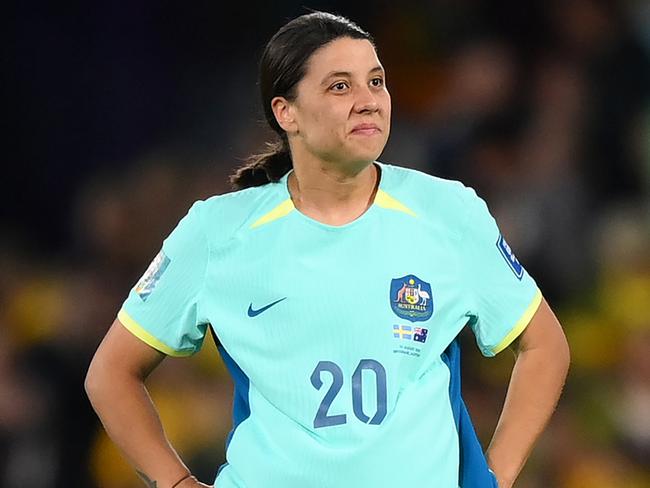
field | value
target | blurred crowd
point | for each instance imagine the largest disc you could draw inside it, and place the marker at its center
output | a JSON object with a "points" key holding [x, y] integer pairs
{"points": [[549, 122]]}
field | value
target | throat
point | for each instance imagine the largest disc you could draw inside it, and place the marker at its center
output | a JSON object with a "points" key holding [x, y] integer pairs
{"points": [[334, 218], [335, 203]]}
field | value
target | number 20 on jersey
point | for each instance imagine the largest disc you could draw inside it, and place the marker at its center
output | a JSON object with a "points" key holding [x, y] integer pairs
{"points": [[323, 418]]}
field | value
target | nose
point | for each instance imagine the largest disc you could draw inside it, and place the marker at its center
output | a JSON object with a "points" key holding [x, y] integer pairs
{"points": [[365, 101]]}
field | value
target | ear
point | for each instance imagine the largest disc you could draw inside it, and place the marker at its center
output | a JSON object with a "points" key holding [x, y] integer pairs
{"points": [[284, 114]]}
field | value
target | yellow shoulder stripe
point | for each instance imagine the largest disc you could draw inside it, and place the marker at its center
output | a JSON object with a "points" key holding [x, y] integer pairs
{"points": [[521, 324], [384, 200], [278, 212], [137, 330]]}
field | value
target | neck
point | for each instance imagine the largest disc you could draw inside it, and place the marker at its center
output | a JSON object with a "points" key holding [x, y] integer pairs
{"points": [[334, 194]]}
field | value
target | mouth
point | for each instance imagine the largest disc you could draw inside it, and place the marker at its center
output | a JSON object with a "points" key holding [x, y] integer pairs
{"points": [[365, 129]]}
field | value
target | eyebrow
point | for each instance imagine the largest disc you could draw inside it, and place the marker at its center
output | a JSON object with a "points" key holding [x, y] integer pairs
{"points": [[348, 74]]}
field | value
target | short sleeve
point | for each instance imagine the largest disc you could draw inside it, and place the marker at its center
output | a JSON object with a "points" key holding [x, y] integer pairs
{"points": [[503, 296], [164, 308]]}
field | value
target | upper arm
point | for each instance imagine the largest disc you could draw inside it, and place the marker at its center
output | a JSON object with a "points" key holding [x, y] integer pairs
{"points": [[122, 352], [543, 332]]}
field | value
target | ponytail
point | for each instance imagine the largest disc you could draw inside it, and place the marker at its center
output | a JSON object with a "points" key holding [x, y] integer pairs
{"points": [[263, 168]]}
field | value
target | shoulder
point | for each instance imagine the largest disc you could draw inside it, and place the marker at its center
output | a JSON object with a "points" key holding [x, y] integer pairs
{"points": [[428, 196], [221, 216]]}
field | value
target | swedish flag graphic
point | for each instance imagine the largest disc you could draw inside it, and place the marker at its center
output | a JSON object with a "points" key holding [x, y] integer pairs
{"points": [[402, 331]]}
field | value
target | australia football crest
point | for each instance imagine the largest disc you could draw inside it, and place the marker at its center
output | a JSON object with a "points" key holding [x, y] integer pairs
{"points": [[411, 298]]}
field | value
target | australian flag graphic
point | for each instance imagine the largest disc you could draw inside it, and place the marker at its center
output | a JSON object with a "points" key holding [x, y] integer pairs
{"points": [[420, 334]]}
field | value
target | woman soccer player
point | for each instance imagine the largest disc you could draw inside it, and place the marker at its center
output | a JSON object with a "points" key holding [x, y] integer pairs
{"points": [[336, 287]]}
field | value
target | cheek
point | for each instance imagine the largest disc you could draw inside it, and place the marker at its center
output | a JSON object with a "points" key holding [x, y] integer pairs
{"points": [[386, 103], [328, 123]]}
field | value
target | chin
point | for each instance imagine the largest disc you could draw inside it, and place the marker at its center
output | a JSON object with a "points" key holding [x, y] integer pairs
{"points": [[368, 155], [356, 154], [368, 149]]}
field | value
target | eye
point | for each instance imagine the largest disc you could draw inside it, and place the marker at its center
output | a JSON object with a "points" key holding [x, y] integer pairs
{"points": [[339, 86], [377, 82]]}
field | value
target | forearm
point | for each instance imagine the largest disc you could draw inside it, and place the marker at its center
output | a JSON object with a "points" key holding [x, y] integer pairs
{"points": [[534, 390], [130, 419]]}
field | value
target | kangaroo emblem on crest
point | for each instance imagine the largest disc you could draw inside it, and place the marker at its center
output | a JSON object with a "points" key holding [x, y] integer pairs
{"points": [[400, 293]]}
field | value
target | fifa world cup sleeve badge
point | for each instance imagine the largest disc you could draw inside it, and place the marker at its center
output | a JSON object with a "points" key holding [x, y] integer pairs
{"points": [[150, 278], [510, 258]]}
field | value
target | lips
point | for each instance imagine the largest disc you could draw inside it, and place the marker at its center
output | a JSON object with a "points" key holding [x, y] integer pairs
{"points": [[366, 129]]}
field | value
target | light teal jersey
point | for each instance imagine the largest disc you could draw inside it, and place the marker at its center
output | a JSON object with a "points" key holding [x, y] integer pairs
{"points": [[335, 336]]}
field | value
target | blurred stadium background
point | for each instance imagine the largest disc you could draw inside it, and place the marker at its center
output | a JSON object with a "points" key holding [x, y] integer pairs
{"points": [[118, 115]]}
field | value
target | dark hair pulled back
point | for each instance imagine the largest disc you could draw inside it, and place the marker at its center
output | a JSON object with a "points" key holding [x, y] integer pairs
{"points": [[282, 65]]}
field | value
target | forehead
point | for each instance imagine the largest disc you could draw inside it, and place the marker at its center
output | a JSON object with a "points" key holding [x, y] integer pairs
{"points": [[343, 54]]}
